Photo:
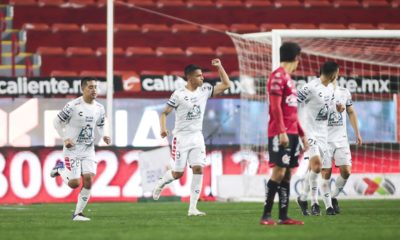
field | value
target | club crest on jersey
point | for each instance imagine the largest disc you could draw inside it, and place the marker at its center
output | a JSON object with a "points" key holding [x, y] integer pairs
{"points": [[85, 136], [194, 113], [291, 100], [335, 119], [286, 159], [323, 113]]}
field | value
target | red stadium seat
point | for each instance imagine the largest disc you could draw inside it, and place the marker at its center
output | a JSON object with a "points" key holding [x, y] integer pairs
{"points": [[58, 27], [118, 51], [342, 50], [228, 3], [170, 3], [287, 3], [220, 27], [361, 26], [137, 51], [377, 50], [83, 2], [126, 27], [90, 27], [50, 51], [375, 3], [143, 3], [81, 51], [23, 2], [269, 26], [389, 26], [179, 73], [244, 28], [199, 51], [179, 27], [50, 2], [346, 3], [152, 72], [221, 51], [363, 72], [36, 26], [257, 3], [155, 28], [62, 73], [92, 73], [332, 26], [200, 3], [126, 74], [169, 51], [317, 3], [303, 26]]}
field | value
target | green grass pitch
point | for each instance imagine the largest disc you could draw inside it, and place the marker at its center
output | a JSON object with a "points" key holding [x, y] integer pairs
{"points": [[363, 219]]}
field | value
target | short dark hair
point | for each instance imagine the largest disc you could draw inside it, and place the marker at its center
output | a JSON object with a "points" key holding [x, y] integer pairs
{"points": [[189, 69], [85, 80], [329, 68], [289, 51]]}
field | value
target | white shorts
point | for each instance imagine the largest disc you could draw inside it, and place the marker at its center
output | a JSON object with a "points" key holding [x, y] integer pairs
{"points": [[79, 165], [341, 155], [318, 148], [188, 148]]}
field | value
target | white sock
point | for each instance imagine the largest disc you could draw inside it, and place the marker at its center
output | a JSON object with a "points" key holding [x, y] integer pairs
{"points": [[83, 199], [314, 187], [326, 193], [167, 178], [305, 187], [65, 174], [195, 190], [339, 185]]}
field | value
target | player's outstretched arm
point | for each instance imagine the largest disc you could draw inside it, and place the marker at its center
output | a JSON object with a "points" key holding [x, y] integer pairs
{"points": [[225, 81], [354, 123], [163, 121]]}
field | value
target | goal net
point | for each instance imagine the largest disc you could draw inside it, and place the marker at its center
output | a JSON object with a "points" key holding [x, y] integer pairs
{"points": [[369, 68]]}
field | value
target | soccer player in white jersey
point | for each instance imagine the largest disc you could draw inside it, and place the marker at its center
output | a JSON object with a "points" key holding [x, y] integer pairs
{"points": [[339, 148], [76, 124], [189, 103], [317, 97]]}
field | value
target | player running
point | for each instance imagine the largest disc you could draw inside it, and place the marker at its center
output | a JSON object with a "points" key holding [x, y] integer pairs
{"points": [[317, 97], [76, 124], [188, 145]]}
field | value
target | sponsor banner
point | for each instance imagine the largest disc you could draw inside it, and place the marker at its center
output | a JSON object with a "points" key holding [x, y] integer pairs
{"points": [[25, 176], [245, 84], [49, 86], [28, 122], [359, 186], [168, 84], [361, 85]]}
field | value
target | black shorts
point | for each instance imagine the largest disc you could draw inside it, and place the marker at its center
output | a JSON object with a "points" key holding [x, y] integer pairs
{"points": [[284, 157]]}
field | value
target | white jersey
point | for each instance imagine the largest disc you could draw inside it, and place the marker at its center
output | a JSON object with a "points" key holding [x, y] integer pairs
{"points": [[80, 120], [317, 100], [337, 120], [190, 107]]}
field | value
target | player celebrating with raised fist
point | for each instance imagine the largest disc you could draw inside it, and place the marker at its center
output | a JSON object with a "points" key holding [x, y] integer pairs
{"points": [[76, 124], [188, 145], [283, 134]]}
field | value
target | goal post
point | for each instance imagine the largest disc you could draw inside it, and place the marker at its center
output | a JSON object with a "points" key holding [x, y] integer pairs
{"points": [[369, 68]]}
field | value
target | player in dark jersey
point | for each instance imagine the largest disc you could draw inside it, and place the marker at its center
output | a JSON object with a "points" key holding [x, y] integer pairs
{"points": [[283, 134]]}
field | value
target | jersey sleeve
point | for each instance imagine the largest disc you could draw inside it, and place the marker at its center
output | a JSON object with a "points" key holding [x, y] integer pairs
{"points": [[66, 113], [304, 93], [100, 121], [277, 84], [208, 89], [349, 101], [173, 101]]}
